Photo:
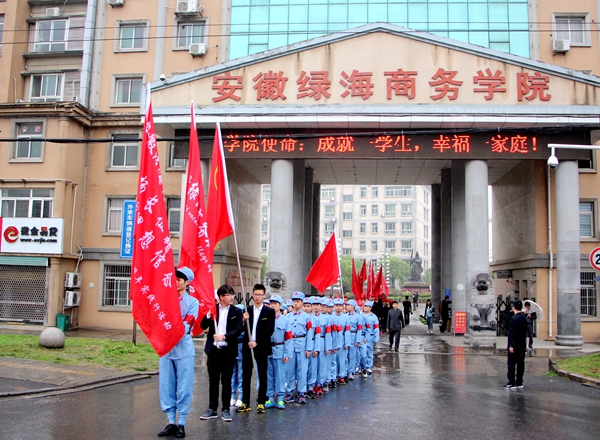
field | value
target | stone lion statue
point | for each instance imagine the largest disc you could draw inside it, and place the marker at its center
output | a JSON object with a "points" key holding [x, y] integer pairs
{"points": [[276, 283], [483, 303]]}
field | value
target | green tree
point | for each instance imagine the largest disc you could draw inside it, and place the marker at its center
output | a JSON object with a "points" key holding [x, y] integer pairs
{"points": [[427, 276], [264, 268], [399, 271], [346, 266]]}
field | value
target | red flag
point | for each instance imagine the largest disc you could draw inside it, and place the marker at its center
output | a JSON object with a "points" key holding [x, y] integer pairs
{"points": [[196, 252], [370, 281], [356, 287], [155, 301], [326, 270], [220, 214], [385, 287], [377, 287], [362, 276]]}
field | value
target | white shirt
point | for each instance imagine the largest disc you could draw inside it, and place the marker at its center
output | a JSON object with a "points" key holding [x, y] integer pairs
{"points": [[222, 325], [254, 322]]}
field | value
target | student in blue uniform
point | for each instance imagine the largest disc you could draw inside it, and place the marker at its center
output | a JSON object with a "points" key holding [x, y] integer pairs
{"points": [[301, 331], [371, 335], [353, 339], [277, 360], [313, 361], [343, 330], [237, 376], [176, 368]]}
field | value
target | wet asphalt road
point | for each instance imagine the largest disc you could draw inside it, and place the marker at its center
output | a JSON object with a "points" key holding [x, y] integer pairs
{"points": [[427, 391]]}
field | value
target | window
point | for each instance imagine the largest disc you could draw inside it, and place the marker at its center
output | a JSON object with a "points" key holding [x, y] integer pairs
{"points": [[406, 246], [374, 209], [132, 36], [346, 251], [363, 192], [264, 210], [426, 232], [50, 36], [363, 209], [190, 32], [390, 210], [263, 246], [362, 246], [406, 210], [348, 197], [374, 246], [114, 215], [375, 191], [406, 228], [390, 228], [374, 228], [174, 214], [426, 198], [426, 249], [398, 191], [587, 227], [347, 216], [390, 245], [347, 233], [46, 88], [264, 228], [124, 155], [128, 90], [115, 285], [589, 305], [426, 214], [363, 228], [27, 147], [330, 211], [266, 192], [20, 202], [328, 193], [329, 227], [574, 28], [174, 162]]}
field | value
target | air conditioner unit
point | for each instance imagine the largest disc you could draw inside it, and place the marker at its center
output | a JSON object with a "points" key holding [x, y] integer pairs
{"points": [[114, 3], [264, 218], [187, 7], [560, 45], [198, 49], [52, 12], [72, 298], [72, 279]]}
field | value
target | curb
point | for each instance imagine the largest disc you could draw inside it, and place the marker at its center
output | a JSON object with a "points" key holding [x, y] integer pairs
{"points": [[584, 380], [82, 387]]}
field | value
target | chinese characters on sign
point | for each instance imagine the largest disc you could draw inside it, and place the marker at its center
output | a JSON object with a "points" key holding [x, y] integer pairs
{"points": [[316, 84], [460, 322], [127, 229], [31, 235]]}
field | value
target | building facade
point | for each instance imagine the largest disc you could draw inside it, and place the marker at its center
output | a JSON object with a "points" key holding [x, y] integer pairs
{"points": [[70, 123]]}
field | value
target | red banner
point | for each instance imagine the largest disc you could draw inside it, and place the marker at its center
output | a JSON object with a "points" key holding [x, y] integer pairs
{"points": [[196, 251], [155, 301], [326, 270]]}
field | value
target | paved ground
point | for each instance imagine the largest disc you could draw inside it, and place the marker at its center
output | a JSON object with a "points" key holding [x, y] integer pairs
{"points": [[435, 388]]}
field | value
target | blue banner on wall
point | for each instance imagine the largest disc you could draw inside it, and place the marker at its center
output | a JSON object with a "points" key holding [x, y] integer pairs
{"points": [[127, 229]]}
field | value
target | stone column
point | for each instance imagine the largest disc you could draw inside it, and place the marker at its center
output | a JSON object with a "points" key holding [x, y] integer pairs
{"points": [[568, 265], [295, 279], [435, 247], [459, 266], [307, 241], [477, 253], [282, 209], [56, 291], [446, 231]]}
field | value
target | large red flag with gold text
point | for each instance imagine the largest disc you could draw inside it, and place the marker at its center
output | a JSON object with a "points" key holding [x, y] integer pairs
{"points": [[219, 213], [196, 251], [155, 301], [326, 270]]}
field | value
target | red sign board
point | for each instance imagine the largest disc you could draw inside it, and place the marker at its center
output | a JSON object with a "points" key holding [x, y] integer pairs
{"points": [[460, 322]]}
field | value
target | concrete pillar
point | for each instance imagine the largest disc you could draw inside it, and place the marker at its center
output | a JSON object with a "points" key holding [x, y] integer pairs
{"points": [[446, 231], [280, 235], [295, 279], [568, 265], [459, 265], [56, 291], [435, 247], [307, 242]]}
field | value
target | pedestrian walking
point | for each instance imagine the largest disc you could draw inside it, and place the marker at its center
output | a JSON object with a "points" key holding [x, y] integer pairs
{"points": [[395, 323], [407, 310], [517, 343], [531, 317], [429, 313]]}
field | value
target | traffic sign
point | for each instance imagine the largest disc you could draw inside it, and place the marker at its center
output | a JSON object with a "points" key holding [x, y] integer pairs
{"points": [[595, 258]]}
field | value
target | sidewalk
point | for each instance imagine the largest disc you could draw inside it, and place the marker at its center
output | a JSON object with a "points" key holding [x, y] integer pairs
{"points": [[20, 377]]}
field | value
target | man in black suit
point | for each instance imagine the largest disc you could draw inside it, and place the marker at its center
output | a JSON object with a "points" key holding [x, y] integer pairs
{"points": [[221, 350], [395, 323], [259, 323], [517, 336]]}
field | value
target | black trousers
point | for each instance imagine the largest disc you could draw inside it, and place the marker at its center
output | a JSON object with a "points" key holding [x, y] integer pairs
{"points": [[262, 363], [530, 333], [444, 324], [406, 317], [395, 334], [516, 361], [220, 368]]}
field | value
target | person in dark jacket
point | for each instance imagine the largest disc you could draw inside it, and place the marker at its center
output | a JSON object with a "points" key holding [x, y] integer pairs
{"points": [[395, 324], [406, 304], [517, 344], [531, 317], [445, 314]]}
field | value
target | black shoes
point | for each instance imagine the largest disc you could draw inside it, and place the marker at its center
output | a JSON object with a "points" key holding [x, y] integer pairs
{"points": [[509, 386], [170, 429], [209, 414], [180, 431]]}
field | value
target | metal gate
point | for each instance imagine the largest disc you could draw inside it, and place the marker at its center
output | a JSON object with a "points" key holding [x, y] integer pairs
{"points": [[23, 293], [503, 314]]}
